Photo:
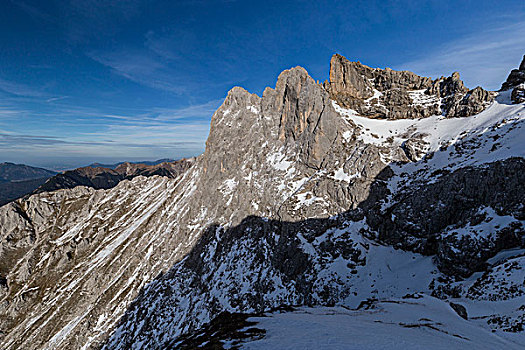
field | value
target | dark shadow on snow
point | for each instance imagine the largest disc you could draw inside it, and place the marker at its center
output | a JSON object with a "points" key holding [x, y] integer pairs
{"points": [[414, 223]]}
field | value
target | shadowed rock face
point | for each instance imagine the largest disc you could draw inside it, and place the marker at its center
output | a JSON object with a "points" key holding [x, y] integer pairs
{"points": [[261, 264], [424, 212], [516, 82], [385, 93]]}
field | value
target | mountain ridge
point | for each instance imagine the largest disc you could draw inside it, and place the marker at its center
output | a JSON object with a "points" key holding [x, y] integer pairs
{"points": [[104, 178], [385, 93]]}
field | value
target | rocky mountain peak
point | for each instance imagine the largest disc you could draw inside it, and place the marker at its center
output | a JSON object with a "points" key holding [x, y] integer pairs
{"points": [[266, 146], [297, 113], [360, 81], [516, 83], [390, 94]]}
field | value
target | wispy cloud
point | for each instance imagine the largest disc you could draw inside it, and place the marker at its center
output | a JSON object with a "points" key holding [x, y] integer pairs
{"points": [[119, 143], [10, 112], [140, 67], [204, 110], [152, 117], [484, 58], [176, 60], [19, 89], [54, 99], [95, 136], [16, 141]]}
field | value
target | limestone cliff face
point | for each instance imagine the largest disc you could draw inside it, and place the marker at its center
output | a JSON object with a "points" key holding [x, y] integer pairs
{"points": [[277, 155], [385, 93]]}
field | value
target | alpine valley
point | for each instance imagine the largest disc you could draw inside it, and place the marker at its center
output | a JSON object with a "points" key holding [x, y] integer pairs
{"points": [[380, 209]]}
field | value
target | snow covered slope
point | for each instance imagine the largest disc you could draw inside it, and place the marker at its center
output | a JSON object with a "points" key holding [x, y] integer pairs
{"points": [[414, 322]]}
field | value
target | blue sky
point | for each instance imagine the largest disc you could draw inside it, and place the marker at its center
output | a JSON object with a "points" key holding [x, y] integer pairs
{"points": [[96, 80]]}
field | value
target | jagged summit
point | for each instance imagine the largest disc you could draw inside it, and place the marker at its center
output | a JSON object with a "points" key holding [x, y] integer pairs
{"points": [[293, 128], [390, 94], [297, 112], [516, 83]]}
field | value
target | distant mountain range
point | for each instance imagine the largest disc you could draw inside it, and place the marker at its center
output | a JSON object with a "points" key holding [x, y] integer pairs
{"points": [[18, 180], [145, 162], [107, 177], [20, 172]]}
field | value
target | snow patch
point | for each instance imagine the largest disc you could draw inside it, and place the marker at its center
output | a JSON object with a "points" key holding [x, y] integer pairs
{"points": [[342, 176]]}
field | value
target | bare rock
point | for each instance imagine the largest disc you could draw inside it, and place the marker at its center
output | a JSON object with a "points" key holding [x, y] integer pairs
{"points": [[460, 310], [516, 83], [385, 93], [516, 77], [416, 147], [518, 94]]}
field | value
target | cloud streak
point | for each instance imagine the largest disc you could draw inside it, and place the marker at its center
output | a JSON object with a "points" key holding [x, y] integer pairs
{"points": [[54, 99], [160, 133], [19, 89], [141, 68], [119, 143]]}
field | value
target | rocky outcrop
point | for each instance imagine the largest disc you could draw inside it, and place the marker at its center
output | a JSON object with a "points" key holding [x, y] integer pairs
{"points": [[431, 218], [385, 93], [516, 83], [415, 147]]}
